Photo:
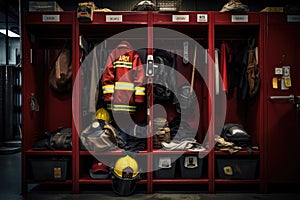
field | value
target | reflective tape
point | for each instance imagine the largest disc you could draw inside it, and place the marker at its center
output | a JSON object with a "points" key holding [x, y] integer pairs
{"points": [[124, 86], [140, 90], [108, 89], [120, 107], [122, 64]]}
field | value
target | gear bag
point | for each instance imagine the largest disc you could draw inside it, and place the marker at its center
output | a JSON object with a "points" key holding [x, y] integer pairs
{"points": [[234, 6], [60, 77], [236, 134], [96, 138], [62, 139]]}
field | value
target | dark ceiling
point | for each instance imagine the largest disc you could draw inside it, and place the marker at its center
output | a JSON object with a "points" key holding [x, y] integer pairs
{"points": [[11, 7]]}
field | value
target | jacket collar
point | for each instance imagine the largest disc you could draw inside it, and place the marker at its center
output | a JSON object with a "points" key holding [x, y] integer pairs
{"points": [[124, 44]]}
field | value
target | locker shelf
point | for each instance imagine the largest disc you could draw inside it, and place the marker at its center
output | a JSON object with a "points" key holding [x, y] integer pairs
{"points": [[48, 152]]}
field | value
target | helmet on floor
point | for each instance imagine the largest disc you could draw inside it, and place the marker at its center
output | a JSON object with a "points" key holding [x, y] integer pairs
{"points": [[103, 114], [125, 174]]}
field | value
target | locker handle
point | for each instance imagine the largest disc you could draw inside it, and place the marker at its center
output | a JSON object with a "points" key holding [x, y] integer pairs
{"points": [[290, 98], [282, 97]]}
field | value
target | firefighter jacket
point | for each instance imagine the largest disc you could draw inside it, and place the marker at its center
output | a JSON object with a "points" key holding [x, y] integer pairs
{"points": [[123, 79]]}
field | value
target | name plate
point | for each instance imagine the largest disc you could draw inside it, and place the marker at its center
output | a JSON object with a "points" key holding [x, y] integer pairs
{"points": [[293, 18], [51, 18], [180, 18], [114, 18], [202, 18], [239, 18]]}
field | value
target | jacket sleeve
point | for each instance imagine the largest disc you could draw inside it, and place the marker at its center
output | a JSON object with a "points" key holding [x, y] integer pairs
{"points": [[139, 79], [108, 80]]}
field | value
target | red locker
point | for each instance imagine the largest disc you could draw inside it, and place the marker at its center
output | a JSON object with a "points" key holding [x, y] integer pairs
{"points": [[282, 122]]}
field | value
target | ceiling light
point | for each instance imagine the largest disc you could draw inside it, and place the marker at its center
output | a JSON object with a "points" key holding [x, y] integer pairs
{"points": [[10, 33]]}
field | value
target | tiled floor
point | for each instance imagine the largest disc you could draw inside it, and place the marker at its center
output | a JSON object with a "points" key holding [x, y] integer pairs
{"points": [[10, 176], [10, 189]]}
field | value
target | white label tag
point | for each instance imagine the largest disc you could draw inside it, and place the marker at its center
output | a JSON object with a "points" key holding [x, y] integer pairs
{"points": [[293, 18], [239, 18], [180, 18], [114, 18], [278, 71], [51, 18], [202, 18]]}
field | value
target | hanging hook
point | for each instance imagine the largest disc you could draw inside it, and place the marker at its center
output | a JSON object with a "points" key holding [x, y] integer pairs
{"points": [[251, 41]]}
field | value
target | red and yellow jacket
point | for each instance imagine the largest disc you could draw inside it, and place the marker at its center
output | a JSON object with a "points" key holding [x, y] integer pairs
{"points": [[123, 79]]}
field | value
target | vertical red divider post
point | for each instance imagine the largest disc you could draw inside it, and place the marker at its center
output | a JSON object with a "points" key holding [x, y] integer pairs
{"points": [[262, 104], [76, 118], [211, 117], [150, 109]]}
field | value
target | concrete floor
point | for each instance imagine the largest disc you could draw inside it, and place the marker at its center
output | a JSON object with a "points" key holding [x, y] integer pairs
{"points": [[10, 189]]}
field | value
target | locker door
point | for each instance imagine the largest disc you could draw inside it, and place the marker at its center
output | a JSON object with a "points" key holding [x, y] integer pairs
{"points": [[283, 120]]}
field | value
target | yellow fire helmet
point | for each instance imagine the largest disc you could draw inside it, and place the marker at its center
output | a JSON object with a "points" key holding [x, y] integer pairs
{"points": [[102, 114], [126, 168]]}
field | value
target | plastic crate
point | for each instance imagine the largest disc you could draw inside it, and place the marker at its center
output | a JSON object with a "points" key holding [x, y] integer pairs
{"points": [[191, 166], [44, 6], [168, 5], [237, 168], [166, 167], [53, 169]]}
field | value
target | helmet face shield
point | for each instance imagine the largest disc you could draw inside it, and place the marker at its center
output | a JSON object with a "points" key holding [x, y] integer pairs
{"points": [[123, 187]]}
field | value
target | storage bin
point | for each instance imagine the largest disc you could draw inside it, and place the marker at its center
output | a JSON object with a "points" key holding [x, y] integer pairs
{"points": [[237, 168], [168, 5], [191, 166], [53, 169], [44, 6], [165, 166]]}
